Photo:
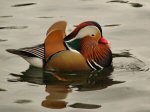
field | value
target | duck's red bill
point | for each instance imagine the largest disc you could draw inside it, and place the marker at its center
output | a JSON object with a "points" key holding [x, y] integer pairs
{"points": [[103, 40]]}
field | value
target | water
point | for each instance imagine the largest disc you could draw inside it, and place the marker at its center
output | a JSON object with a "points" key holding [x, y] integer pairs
{"points": [[122, 87]]}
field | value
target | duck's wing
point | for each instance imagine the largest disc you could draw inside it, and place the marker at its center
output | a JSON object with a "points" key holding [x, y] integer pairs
{"points": [[38, 50], [60, 25], [54, 43], [35, 51]]}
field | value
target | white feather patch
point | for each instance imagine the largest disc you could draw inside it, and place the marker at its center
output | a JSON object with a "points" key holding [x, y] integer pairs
{"points": [[34, 61]]}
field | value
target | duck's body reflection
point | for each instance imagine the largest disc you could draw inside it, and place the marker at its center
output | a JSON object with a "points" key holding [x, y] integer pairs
{"points": [[57, 94], [59, 85]]}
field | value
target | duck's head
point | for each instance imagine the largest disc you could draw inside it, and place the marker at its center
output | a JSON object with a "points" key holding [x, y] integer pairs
{"points": [[88, 28], [87, 39]]}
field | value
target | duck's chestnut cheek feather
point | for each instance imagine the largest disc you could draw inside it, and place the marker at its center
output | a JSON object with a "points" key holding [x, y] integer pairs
{"points": [[103, 40]]}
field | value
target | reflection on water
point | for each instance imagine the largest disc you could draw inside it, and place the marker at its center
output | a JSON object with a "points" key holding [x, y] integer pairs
{"points": [[57, 94], [31, 75], [125, 61], [25, 4], [123, 53], [59, 85], [97, 81]]}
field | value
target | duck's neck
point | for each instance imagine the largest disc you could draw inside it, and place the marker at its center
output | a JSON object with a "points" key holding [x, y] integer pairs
{"points": [[75, 44], [96, 53]]}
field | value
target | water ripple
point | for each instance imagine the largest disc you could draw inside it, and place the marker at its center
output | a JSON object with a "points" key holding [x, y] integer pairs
{"points": [[111, 25], [6, 16], [21, 5], [23, 101], [13, 27], [45, 17], [85, 106], [128, 62], [1, 89], [118, 1], [136, 5], [3, 40]]}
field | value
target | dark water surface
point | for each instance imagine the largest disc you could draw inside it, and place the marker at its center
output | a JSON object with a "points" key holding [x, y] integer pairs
{"points": [[122, 87]]}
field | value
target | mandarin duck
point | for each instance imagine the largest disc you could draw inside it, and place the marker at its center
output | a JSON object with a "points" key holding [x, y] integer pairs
{"points": [[83, 49]]}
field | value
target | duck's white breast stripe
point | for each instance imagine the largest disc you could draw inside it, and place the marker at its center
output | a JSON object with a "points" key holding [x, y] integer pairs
{"points": [[91, 65], [96, 64]]}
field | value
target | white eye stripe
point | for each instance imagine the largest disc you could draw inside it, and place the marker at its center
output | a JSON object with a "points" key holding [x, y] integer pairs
{"points": [[88, 30]]}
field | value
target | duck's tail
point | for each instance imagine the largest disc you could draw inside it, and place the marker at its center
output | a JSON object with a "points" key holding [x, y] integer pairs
{"points": [[35, 51], [30, 58], [18, 52]]}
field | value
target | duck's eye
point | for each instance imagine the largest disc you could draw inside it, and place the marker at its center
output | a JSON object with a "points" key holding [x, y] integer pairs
{"points": [[93, 35]]}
